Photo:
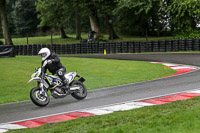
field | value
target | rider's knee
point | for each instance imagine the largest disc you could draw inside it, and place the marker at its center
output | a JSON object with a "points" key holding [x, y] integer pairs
{"points": [[60, 73]]}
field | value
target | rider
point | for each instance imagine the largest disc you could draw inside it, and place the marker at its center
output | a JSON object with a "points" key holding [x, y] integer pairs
{"points": [[54, 65]]}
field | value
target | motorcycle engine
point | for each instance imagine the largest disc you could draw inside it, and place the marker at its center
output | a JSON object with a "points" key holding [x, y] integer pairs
{"points": [[57, 82], [58, 92]]}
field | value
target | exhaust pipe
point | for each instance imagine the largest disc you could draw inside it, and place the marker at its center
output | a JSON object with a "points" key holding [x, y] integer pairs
{"points": [[74, 88]]}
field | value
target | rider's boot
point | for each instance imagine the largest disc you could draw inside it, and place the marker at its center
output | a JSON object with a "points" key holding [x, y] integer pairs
{"points": [[66, 85]]}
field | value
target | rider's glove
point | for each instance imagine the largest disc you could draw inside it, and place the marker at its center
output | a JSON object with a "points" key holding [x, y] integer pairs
{"points": [[49, 61]]}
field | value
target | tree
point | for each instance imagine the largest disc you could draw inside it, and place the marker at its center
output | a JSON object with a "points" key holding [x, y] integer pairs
{"points": [[94, 9], [1, 32], [141, 17], [75, 5], [185, 14], [25, 17], [60, 13], [77, 22], [52, 13], [4, 23], [10, 4], [107, 10], [111, 31]]}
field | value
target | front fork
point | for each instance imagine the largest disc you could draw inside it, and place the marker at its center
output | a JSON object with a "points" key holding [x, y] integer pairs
{"points": [[41, 86]]}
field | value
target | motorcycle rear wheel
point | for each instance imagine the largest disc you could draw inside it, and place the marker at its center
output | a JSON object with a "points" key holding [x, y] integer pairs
{"points": [[79, 94], [37, 98]]}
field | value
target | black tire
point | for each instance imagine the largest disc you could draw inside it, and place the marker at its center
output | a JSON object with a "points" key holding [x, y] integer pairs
{"points": [[77, 94], [37, 101]]}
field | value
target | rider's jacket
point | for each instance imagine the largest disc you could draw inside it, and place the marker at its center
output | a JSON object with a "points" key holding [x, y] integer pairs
{"points": [[55, 65]]}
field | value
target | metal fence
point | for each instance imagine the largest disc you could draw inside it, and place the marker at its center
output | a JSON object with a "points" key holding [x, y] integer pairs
{"points": [[113, 47]]}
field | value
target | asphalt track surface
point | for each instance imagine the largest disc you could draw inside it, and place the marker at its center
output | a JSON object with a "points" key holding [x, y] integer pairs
{"points": [[25, 110]]}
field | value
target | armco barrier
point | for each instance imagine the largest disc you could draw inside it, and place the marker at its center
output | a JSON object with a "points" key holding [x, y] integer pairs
{"points": [[113, 47]]}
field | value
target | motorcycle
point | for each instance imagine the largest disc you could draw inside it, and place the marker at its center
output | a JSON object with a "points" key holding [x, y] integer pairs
{"points": [[47, 82]]}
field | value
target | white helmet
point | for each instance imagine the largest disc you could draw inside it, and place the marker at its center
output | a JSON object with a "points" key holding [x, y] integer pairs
{"points": [[45, 53]]}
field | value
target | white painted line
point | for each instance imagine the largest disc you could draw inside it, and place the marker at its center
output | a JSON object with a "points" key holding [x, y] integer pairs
{"points": [[15, 102], [118, 107], [194, 91], [172, 64], [181, 67], [98, 111], [143, 104], [11, 126], [155, 62], [169, 64], [3, 130]]}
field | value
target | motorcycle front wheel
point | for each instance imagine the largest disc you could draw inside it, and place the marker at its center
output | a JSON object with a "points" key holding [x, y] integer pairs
{"points": [[39, 99]]}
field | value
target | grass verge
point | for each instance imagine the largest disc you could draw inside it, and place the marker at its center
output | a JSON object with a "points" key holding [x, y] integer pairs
{"points": [[175, 117], [99, 73]]}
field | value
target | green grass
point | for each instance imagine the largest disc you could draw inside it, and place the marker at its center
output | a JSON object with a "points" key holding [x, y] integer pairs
{"points": [[99, 73], [72, 40], [175, 117]]}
